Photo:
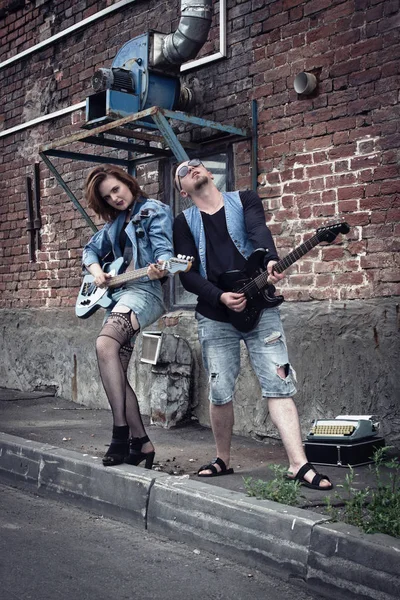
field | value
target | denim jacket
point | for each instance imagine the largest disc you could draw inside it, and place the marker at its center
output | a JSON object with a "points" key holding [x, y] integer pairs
{"points": [[155, 244], [235, 224]]}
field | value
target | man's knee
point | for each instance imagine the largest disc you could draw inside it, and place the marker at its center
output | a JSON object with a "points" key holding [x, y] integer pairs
{"points": [[219, 398]]}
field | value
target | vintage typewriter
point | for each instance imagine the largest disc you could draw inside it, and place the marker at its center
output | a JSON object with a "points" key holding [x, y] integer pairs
{"points": [[344, 429], [347, 440]]}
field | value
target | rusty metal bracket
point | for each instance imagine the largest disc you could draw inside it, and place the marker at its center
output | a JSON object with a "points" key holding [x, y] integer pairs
{"points": [[141, 147]]}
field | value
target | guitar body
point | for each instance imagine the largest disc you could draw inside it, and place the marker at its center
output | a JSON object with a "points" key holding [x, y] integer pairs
{"points": [[253, 280], [257, 299], [91, 297]]}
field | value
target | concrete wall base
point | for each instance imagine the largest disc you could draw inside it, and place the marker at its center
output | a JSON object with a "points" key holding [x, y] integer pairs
{"points": [[346, 355]]}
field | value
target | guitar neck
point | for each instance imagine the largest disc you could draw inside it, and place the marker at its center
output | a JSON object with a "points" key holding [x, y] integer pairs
{"points": [[297, 253], [262, 280], [127, 276]]}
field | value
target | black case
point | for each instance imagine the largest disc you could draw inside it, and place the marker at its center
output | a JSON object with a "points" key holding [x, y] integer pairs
{"points": [[342, 454]]}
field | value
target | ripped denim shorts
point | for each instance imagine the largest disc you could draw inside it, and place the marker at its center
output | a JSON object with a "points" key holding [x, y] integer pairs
{"points": [[266, 345]]}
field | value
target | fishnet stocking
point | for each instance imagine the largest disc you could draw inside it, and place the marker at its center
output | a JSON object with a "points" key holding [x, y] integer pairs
{"points": [[132, 411], [113, 354]]}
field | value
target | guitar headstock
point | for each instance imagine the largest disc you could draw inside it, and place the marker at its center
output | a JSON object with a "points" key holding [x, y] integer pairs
{"points": [[177, 264], [328, 233]]}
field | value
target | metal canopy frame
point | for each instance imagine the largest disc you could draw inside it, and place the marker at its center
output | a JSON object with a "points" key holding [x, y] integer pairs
{"points": [[140, 144]]}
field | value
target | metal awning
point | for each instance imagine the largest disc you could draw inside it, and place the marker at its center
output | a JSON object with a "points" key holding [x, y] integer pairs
{"points": [[145, 136]]}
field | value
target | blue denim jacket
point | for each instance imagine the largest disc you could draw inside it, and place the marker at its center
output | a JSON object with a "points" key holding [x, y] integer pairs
{"points": [[235, 224], [156, 243]]}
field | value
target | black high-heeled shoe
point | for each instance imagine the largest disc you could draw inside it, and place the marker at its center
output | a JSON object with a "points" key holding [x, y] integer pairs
{"points": [[136, 456], [119, 447]]}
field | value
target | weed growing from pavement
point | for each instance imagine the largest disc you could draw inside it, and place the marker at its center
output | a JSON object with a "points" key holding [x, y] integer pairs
{"points": [[373, 510], [279, 489]]}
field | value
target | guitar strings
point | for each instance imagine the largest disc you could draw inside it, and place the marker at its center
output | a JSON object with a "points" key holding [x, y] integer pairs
{"points": [[262, 279]]}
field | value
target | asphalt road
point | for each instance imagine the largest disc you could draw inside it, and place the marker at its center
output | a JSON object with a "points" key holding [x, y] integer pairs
{"points": [[51, 550]]}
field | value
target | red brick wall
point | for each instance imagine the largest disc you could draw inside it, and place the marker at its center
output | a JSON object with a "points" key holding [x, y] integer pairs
{"points": [[333, 153]]}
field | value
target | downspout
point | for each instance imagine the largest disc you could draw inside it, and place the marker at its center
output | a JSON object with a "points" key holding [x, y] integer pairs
{"points": [[191, 34]]}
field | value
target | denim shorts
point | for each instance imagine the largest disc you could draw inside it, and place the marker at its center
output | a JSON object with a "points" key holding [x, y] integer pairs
{"points": [[145, 299], [266, 345]]}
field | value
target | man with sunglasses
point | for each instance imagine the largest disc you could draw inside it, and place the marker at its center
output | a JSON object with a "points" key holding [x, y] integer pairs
{"points": [[222, 230]]}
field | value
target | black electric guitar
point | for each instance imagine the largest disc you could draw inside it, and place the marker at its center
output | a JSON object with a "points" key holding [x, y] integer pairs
{"points": [[91, 297], [253, 280]]}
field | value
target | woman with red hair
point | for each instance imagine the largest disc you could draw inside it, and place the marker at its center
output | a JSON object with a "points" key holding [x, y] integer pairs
{"points": [[138, 229]]}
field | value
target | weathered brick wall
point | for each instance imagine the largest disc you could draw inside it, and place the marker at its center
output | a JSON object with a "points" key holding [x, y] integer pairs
{"points": [[333, 153], [51, 79]]}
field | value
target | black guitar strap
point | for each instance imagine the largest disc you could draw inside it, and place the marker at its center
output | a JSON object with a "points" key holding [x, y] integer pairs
{"points": [[127, 250], [128, 253]]}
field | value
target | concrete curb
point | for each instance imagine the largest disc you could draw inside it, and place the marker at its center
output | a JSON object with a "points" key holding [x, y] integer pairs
{"points": [[353, 564], [334, 559], [262, 534], [119, 492]]}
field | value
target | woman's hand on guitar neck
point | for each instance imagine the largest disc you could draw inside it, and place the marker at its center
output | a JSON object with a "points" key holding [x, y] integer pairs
{"points": [[154, 271], [100, 278], [234, 301]]}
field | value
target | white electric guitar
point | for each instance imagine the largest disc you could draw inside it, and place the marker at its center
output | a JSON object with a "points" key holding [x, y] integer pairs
{"points": [[91, 297]]}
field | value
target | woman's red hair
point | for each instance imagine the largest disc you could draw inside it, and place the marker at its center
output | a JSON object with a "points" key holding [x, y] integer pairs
{"points": [[93, 197]]}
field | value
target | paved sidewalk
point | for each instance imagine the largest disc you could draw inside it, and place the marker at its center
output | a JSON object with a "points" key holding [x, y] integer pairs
{"points": [[179, 451], [56, 446]]}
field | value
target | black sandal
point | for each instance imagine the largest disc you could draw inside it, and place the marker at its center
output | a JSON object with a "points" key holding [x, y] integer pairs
{"points": [[214, 470], [136, 456], [118, 448], [318, 477]]}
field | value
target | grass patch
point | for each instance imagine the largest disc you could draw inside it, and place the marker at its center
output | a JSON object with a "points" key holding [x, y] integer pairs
{"points": [[373, 509], [279, 489]]}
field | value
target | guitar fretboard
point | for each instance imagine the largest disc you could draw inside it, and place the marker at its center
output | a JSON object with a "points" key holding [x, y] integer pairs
{"points": [[127, 276], [262, 280], [296, 254]]}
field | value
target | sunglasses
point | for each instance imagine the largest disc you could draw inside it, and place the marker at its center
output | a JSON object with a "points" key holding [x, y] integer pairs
{"points": [[184, 170]]}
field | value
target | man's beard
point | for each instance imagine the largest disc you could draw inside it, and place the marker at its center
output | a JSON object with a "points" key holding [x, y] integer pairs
{"points": [[200, 182]]}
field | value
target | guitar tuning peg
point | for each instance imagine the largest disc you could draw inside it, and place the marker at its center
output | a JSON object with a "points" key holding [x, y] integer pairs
{"points": [[179, 256]]}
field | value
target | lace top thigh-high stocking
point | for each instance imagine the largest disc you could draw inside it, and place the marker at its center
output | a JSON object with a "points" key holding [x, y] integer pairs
{"points": [[115, 335]]}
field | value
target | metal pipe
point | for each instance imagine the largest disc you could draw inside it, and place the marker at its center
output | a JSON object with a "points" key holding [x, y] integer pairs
{"points": [[221, 53], [29, 224], [254, 146], [37, 222], [191, 34]]}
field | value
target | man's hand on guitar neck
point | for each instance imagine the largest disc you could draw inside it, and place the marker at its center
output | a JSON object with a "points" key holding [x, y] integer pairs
{"points": [[273, 276]]}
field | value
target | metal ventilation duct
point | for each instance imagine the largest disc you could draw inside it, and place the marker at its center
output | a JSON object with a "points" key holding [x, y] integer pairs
{"points": [[191, 34]]}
